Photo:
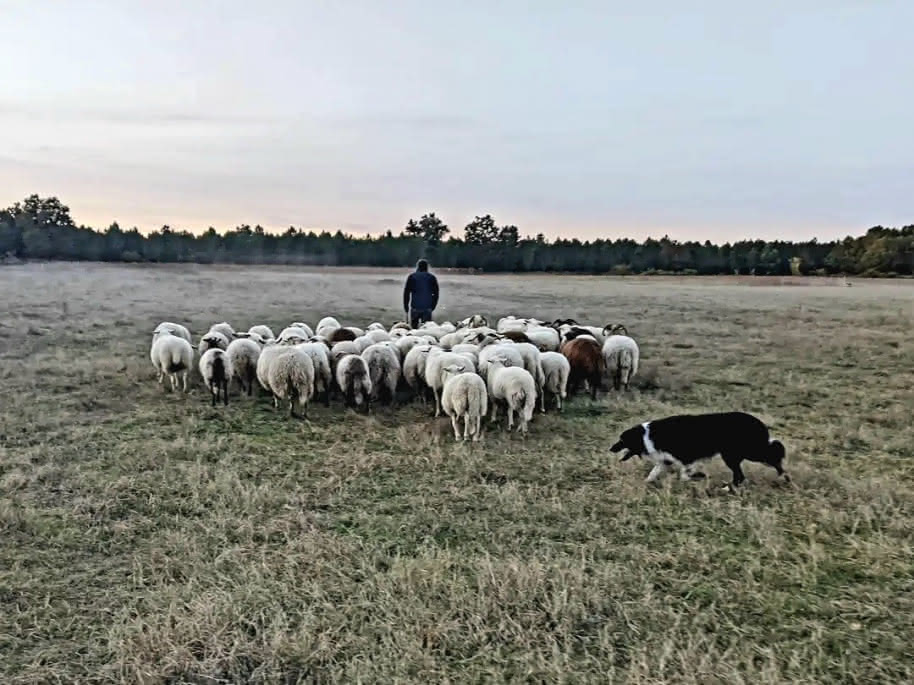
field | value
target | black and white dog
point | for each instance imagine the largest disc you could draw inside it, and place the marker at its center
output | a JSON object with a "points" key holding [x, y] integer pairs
{"points": [[687, 439]]}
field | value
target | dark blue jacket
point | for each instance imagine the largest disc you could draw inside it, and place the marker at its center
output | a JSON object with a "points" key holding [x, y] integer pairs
{"points": [[421, 292]]}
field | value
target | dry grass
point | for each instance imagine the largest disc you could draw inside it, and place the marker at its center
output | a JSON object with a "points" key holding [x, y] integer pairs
{"points": [[146, 537]]}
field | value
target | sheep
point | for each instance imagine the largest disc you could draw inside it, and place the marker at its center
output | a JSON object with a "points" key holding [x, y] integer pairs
{"points": [[267, 355], [614, 329], [363, 343], [174, 329], [323, 376], [467, 350], [474, 321], [489, 350], [261, 330], [555, 370], [546, 339], [516, 336], [414, 368], [377, 335], [326, 326], [305, 327], [243, 354], [354, 380], [216, 369], [587, 364], [620, 355], [225, 329], [213, 339], [342, 334], [515, 387], [434, 378], [293, 335], [291, 377], [531, 356], [383, 369], [464, 396], [173, 355], [406, 343], [375, 326], [341, 350]]}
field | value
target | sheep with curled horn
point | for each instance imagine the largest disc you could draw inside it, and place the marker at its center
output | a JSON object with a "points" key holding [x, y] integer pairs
{"points": [[614, 329]]}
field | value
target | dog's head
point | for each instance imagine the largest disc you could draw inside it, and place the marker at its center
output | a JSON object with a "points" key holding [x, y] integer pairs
{"points": [[776, 455], [632, 441]]}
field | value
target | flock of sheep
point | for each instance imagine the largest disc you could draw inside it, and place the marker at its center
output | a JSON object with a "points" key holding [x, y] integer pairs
{"points": [[466, 367]]}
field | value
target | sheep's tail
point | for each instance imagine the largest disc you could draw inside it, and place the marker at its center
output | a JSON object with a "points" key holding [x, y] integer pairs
{"points": [[175, 362], [524, 400], [218, 370], [626, 360]]}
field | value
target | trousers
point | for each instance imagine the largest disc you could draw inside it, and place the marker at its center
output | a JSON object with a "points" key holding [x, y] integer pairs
{"points": [[419, 316]]}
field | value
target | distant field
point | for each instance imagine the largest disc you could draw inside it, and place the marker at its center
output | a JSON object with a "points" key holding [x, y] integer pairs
{"points": [[147, 537]]}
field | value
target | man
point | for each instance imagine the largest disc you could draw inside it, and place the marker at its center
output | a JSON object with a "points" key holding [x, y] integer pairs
{"points": [[420, 296]]}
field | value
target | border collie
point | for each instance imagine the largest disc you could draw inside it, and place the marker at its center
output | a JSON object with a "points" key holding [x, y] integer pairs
{"points": [[687, 439]]}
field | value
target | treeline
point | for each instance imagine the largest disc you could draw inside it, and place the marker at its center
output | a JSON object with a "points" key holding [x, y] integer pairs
{"points": [[41, 228]]}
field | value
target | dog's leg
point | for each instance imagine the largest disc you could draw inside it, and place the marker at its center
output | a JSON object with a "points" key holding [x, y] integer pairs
{"points": [[734, 465], [656, 472], [689, 473]]}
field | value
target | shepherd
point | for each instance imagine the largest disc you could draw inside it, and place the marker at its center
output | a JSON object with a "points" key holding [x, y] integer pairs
{"points": [[420, 295]]}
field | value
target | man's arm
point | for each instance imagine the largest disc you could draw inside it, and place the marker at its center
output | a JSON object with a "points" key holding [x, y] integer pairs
{"points": [[407, 291], [434, 292]]}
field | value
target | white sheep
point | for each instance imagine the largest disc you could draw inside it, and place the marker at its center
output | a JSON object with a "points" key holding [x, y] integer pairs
{"points": [[243, 354], [414, 368], [340, 350], [531, 356], [216, 369], [506, 350], [377, 335], [267, 355], [514, 386], [225, 329], [294, 335], [406, 342], [375, 326], [474, 321], [546, 339], [621, 355], [261, 330], [291, 377], [354, 381], [464, 396], [305, 327], [212, 339], [469, 351], [172, 355], [383, 369], [323, 376], [173, 328], [434, 377], [363, 343], [556, 370]]}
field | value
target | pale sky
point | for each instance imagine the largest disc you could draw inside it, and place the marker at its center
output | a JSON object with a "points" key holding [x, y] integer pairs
{"points": [[716, 119]]}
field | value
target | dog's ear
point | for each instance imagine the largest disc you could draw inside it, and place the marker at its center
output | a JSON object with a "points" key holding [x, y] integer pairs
{"points": [[618, 447]]}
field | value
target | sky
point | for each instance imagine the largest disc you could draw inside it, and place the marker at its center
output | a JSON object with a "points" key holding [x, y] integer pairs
{"points": [[712, 119]]}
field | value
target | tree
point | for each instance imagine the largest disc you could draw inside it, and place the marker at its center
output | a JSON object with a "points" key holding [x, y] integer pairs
{"points": [[429, 227], [508, 235], [481, 231]]}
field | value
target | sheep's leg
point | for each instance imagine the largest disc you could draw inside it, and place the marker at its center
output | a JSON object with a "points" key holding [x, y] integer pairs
{"points": [[542, 401], [594, 383], [225, 392], [184, 376], [510, 417], [437, 404], [521, 423], [494, 413], [466, 426], [656, 472], [213, 392], [558, 400], [456, 425], [477, 431]]}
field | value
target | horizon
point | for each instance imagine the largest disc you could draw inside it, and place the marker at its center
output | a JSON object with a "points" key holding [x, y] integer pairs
{"points": [[587, 122]]}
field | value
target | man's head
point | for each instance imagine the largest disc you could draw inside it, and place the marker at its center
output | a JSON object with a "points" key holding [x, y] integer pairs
{"points": [[422, 265]]}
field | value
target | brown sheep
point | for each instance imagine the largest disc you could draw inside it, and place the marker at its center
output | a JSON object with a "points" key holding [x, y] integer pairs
{"points": [[587, 364], [341, 334], [516, 336]]}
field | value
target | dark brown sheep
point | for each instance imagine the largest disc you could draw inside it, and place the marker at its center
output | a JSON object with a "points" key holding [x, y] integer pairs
{"points": [[341, 334], [587, 364]]}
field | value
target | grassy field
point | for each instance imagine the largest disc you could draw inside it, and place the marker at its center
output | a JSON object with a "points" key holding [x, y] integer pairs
{"points": [[146, 537]]}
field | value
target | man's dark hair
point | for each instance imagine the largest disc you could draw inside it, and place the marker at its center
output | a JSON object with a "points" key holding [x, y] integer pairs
{"points": [[422, 265]]}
